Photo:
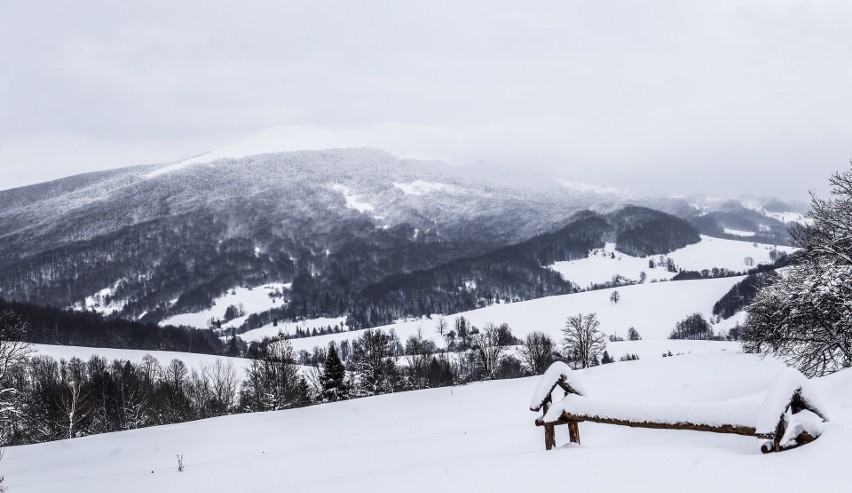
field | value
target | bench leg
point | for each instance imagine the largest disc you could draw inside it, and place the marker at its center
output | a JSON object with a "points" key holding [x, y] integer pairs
{"points": [[549, 436], [574, 432]]}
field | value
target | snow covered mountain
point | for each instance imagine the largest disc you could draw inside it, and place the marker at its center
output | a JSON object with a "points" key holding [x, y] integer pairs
{"points": [[153, 242]]}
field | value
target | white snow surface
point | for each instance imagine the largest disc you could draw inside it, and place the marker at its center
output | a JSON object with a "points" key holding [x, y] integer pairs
{"points": [[602, 264], [737, 232], [588, 188], [290, 328], [739, 412], [421, 187], [652, 309], [761, 410], [558, 370], [478, 437], [191, 360], [254, 300], [778, 397], [98, 302], [352, 200]]}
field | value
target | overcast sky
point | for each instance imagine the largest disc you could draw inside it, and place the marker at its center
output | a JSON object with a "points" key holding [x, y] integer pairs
{"points": [[664, 97]]}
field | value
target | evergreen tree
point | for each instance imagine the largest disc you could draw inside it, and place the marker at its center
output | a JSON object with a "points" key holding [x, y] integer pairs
{"points": [[333, 378]]}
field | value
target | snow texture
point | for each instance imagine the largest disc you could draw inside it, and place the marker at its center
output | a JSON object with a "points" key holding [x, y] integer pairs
{"points": [[652, 309], [421, 187], [737, 232], [738, 412], [472, 437], [601, 265], [254, 300], [352, 201], [558, 370], [778, 398]]}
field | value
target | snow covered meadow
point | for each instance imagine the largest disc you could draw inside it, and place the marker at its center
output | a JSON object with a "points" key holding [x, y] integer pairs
{"points": [[477, 437], [652, 309], [601, 265]]}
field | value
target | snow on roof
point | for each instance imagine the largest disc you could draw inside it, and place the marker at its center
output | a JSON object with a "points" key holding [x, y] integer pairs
{"points": [[557, 371]]}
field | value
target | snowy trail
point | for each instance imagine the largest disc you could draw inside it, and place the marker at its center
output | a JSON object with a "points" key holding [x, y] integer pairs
{"points": [[474, 438]]}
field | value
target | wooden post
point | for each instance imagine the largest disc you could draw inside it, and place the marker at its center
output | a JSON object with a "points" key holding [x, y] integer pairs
{"points": [[574, 431], [549, 436], [779, 432]]}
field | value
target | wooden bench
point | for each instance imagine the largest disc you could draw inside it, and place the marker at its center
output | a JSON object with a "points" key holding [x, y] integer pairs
{"points": [[786, 416]]}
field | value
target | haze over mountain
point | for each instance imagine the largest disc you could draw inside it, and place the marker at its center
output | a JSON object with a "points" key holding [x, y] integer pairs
{"points": [[153, 241]]}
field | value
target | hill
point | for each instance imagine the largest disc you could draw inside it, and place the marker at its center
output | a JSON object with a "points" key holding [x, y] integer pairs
{"points": [[478, 436]]}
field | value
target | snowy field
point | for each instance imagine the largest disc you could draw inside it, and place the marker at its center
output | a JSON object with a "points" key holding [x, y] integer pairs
{"points": [[253, 300], [290, 327], [652, 309], [479, 437], [602, 264], [193, 361]]}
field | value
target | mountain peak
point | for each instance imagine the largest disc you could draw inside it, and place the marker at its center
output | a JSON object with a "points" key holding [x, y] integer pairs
{"points": [[287, 138]]}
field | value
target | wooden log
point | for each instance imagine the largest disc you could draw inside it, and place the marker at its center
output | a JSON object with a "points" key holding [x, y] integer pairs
{"points": [[549, 436], [574, 432], [779, 432], [725, 428]]}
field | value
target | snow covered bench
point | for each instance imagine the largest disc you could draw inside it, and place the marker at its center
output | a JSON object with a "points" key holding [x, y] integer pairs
{"points": [[786, 416]]}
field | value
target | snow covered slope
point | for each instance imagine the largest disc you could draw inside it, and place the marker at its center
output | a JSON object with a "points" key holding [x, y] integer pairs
{"points": [[193, 361], [251, 300], [601, 265], [652, 309], [474, 438]]}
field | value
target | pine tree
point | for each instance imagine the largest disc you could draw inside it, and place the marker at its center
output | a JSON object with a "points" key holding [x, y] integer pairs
{"points": [[333, 378]]}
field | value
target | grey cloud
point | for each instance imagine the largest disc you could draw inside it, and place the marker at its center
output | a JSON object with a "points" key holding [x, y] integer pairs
{"points": [[667, 97]]}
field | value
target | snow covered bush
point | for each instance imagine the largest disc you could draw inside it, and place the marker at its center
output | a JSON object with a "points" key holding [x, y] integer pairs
{"points": [[804, 316]]}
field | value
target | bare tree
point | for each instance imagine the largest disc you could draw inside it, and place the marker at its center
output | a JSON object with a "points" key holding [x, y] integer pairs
{"points": [[583, 341], [538, 352], [489, 348], [418, 352], [221, 380], [441, 326], [615, 297], [72, 405], [13, 352]]}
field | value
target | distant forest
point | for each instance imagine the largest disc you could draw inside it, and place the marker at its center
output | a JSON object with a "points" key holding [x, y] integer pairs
{"points": [[47, 325]]}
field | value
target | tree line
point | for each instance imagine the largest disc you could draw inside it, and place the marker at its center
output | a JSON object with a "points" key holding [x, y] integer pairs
{"points": [[45, 399]]}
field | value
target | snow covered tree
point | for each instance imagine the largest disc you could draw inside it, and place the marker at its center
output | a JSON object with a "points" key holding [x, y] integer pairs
{"points": [[13, 354], [273, 381], [804, 317], [583, 341], [606, 359], [333, 378], [372, 358], [418, 352], [804, 314]]}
